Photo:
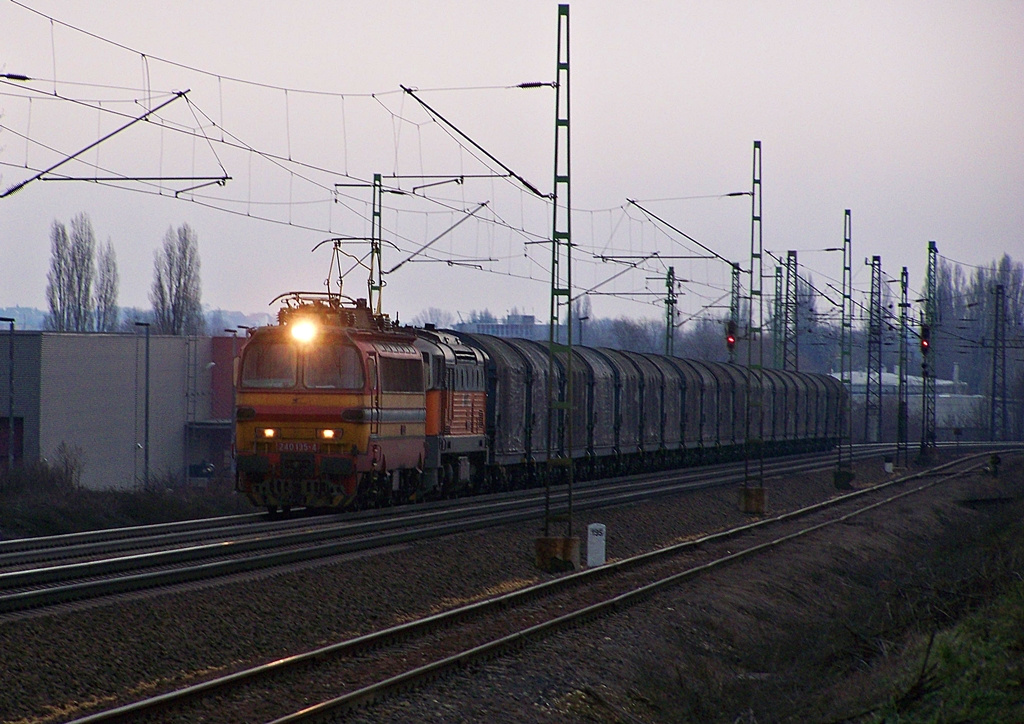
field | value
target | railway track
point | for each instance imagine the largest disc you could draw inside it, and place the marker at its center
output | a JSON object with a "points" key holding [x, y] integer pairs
{"points": [[87, 566], [382, 663], [113, 562]]}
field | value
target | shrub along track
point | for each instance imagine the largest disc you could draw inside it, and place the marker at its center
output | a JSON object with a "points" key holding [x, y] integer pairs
{"points": [[382, 663]]}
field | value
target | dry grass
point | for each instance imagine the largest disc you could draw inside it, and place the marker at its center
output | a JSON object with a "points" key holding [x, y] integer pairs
{"points": [[838, 631]]}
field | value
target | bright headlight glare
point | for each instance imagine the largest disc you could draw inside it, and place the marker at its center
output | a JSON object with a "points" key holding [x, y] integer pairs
{"points": [[327, 434], [304, 331], [268, 432]]}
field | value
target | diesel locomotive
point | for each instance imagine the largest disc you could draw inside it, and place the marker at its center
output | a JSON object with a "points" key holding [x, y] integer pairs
{"points": [[338, 407]]}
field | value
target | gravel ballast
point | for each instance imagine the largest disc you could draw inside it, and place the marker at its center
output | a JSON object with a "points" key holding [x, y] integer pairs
{"points": [[673, 658]]}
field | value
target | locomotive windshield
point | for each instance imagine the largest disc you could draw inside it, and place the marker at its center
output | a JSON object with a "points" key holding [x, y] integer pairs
{"points": [[333, 367], [270, 365], [274, 364]]}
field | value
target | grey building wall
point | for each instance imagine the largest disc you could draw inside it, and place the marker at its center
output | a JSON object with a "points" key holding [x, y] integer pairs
{"points": [[92, 400], [202, 359]]}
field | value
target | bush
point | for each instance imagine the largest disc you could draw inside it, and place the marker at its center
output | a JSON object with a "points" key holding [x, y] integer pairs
{"points": [[47, 500]]}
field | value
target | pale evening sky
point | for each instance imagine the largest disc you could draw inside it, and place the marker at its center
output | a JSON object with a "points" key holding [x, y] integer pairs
{"points": [[909, 113]]}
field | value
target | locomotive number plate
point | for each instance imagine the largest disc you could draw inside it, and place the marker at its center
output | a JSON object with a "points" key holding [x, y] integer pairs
{"points": [[301, 447]]}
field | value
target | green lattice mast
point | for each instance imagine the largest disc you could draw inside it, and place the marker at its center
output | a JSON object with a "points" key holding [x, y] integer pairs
{"points": [[559, 457]]}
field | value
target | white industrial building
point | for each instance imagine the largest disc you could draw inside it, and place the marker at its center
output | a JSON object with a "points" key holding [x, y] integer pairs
{"points": [[954, 408]]}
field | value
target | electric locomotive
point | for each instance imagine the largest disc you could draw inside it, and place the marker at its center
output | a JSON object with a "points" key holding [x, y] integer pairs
{"points": [[339, 407], [331, 408]]}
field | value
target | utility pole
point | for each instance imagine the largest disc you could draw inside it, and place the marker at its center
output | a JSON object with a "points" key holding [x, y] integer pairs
{"points": [[777, 315], [670, 312], [791, 316], [776, 320], [234, 394], [734, 311], [928, 325], [375, 283], [873, 380], [145, 453], [550, 551], [902, 432], [753, 495], [844, 470], [998, 428]]}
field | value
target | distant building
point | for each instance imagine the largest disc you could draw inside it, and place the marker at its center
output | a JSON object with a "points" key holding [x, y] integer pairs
{"points": [[522, 326], [84, 396], [954, 408], [891, 384]]}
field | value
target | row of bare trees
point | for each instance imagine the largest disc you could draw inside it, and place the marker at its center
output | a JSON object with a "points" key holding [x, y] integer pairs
{"points": [[965, 331], [75, 306], [82, 283]]}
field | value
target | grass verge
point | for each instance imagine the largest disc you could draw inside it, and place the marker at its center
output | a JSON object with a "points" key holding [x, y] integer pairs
{"points": [[970, 672]]}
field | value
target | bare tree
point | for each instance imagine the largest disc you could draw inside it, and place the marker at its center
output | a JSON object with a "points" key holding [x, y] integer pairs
{"points": [[581, 310], [106, 289], [83, 259], [58, 279], [637, 335], [131, 315], [69, 283], [705, 340], [440, 318], [177, 307]]}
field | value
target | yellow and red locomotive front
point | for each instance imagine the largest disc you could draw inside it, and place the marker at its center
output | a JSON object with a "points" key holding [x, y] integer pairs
{"points": [[330, 409]]}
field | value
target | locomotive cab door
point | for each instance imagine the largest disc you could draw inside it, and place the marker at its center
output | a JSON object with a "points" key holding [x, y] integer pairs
{"points": [[375, 402]]}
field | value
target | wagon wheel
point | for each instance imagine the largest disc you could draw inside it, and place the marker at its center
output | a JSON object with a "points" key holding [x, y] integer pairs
{"points": [[412, 484], [447, 481], [364, 491], [383, 489]]}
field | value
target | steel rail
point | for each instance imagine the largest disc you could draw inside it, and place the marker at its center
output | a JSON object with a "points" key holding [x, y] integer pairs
{"points": [[447, 618], [79, 581], [433, 670], [501, 509], [90, 537], [138, 544], [22, 551]]}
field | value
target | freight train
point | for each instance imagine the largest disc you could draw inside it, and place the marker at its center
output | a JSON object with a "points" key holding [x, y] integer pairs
{"points": [[338, 407]]}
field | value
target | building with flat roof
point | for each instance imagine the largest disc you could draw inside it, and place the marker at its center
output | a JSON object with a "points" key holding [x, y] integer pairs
{"points": [[522, 326], [956, 412], [83, 398]]}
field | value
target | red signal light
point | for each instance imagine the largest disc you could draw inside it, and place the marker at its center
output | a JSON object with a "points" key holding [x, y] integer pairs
{"points": [[730, 335]]}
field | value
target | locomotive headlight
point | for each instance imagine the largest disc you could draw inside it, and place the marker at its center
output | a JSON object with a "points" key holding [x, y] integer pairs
{"points": [[269, 432], [327, 434], [304, 331]]}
